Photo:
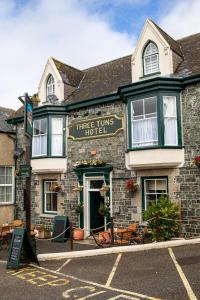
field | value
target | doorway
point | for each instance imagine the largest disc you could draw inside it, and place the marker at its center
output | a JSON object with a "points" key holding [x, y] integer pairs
{"points": [[93, 199]]}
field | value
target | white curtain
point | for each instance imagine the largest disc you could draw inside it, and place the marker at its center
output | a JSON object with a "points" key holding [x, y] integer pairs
{"points": [[170, 120], [57, 137], [145, 132], [39, 145]]}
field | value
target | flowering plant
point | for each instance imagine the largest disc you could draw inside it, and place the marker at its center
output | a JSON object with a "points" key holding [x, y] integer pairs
{"points": [[89, 163], [105, 188], [57, 187], [196, 161], [132, 186]]}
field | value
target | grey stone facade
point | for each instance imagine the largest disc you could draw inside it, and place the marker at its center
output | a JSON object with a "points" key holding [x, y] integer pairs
{"points": [[189, 178]]}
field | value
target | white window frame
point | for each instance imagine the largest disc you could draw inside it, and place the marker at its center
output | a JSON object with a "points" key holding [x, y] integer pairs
{"points": [[50, 86], [154, 142], [49, 192], [40, 135], [153, 193], [150, 56], [9, 185]]}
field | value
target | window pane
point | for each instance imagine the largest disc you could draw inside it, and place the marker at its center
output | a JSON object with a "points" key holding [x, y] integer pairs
{"points": [[170, 120], [145, 132], [54, 202], [57, 145], [43, 126], [8, 191], [150, 105], [169, 106], [2, 175], [50, 197], [96, 184], [153, 189], [2, 194], [43, 145], [36, 127], [57, 125], [137, 108]]}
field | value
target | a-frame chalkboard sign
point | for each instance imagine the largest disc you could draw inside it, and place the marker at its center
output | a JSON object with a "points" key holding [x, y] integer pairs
{"points": [[61, 223], [21, 244]]}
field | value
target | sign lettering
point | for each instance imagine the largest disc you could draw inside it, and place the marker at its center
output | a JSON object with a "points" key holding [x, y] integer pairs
{"points": [[96, 128]]}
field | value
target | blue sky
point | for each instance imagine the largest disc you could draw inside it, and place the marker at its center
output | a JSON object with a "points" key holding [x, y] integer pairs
{"points": [[81, 33]]}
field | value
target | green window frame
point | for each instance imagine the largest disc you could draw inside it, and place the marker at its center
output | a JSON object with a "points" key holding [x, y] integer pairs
{"points": [[160, 120], [53, 196], [153, 194], [52, 137]]}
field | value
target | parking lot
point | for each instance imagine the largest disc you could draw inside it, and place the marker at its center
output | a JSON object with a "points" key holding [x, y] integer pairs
{"points": [[172, 273]]}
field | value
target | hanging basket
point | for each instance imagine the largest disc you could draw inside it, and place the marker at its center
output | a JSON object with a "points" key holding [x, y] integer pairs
{"points": [[132, 186]]}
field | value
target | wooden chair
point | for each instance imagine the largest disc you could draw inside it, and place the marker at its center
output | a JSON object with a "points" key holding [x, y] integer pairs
{"points": [[139, 235], [123, 237], [5, 234], [102, 239]]}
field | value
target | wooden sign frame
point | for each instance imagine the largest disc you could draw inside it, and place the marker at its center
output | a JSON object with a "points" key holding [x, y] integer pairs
{"points": [[20, 241]]}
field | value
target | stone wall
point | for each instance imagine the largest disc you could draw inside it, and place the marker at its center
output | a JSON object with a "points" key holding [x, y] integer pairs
{"points": [[189, 178], [112, 151]]}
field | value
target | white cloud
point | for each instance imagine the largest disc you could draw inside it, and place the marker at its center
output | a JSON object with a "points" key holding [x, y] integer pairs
{"points": [[44, 28], [182, 19]]}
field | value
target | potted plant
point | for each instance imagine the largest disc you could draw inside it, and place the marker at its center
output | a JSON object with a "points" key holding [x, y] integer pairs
{"points": [[43, 232], [196, 161], [132, 185], [104, 210], [78, 233]]}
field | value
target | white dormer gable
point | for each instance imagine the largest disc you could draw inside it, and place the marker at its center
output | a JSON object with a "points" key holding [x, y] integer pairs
{"points": [[50, 70], [165, 55]]}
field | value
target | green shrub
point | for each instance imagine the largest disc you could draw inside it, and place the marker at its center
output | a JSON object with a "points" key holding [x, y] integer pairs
{"points": [[157, 213]]}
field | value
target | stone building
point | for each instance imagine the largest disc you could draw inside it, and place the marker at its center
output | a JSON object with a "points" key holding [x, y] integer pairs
{"points": [[7, 167], [131, 120]]}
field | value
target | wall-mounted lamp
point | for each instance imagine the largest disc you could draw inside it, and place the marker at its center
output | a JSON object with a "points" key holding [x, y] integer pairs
{"points": [[104, 189]]}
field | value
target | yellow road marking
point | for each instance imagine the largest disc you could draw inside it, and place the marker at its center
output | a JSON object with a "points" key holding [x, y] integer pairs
{"points": [[100, 285], [187, 286], [65, 263], [112, 274]]}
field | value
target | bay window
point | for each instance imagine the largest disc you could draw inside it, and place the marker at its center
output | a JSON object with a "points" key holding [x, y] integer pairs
{"points": [[6, 185], [48, 137], [154, 121]]}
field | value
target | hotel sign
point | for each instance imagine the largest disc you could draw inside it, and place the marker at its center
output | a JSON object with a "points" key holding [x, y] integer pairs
{"points": [[96, 128]]}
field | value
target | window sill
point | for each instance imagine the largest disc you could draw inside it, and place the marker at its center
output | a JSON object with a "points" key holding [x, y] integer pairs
{"points": [[149, 75], [48, 215], [154, 147], [40, 157], [6, 204]]}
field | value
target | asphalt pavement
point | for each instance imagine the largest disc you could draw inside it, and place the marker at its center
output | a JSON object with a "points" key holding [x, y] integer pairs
{"points": [[172, 274]]}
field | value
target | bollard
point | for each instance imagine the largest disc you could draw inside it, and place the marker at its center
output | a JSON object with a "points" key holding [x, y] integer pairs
{"points": [[71, 237], [111, 231]]}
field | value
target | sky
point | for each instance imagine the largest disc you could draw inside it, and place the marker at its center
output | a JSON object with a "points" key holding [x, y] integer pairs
{"points": [[81, 33]]}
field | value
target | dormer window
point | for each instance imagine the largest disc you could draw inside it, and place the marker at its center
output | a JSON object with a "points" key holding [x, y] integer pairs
{"points": [[150, 59], [50, 86]]}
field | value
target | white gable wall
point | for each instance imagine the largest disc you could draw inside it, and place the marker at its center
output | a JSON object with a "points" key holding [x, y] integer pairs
{"points": [[50, 68], [150, 33]]}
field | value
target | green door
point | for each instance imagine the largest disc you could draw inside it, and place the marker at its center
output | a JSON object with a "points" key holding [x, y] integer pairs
{"points": [[96, 220]]}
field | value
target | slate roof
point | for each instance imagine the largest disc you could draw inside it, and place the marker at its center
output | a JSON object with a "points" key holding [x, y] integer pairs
{"points": [[5, 113], [69, 75], [103, 79], [174, 45], [190, 47]]}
